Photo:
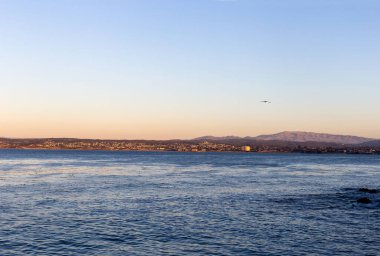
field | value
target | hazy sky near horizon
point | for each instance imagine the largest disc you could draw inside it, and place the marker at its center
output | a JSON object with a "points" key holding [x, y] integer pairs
{"points": [[185, 68]]}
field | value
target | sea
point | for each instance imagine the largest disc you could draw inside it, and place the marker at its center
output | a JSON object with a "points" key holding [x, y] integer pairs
{"points": [[172, 203]]}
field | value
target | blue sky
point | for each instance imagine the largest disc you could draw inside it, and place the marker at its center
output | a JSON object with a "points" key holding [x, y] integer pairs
{"points": [[180, 69]]}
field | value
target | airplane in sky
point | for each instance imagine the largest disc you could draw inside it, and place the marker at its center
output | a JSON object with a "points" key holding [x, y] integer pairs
{"points": [[265, 101]]}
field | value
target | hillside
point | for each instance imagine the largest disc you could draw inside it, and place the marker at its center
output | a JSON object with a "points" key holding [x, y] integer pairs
{"points": [[293, 137], [315, 137]]}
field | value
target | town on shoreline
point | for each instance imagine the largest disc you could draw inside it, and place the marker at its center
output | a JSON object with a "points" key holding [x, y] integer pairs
{"points": [[185, 146]]}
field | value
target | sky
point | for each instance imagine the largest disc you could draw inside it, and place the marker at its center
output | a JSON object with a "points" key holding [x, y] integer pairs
{"points": [[165, 69]]}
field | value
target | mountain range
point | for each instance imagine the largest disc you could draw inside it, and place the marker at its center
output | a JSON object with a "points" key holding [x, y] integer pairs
{"points": [[295, 136]]}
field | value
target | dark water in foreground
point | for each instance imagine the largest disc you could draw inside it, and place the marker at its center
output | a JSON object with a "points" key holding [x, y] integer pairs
{"points": [[145, 203]]}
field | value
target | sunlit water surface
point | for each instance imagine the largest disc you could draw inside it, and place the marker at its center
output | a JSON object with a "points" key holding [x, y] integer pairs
{"points": [[156, 203]]}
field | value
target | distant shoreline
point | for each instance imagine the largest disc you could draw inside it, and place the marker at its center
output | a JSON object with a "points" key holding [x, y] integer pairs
{"points": [[193, 152], [229, 145]]}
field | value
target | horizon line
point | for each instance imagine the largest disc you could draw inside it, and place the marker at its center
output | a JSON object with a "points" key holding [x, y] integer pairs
{"points": [[194, 138]]}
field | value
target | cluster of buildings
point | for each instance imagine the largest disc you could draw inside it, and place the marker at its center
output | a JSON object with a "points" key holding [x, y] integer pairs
{"points": [[184, 146]]}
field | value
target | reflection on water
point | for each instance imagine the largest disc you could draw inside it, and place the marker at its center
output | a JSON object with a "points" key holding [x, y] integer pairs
{"points": [[146, 203]]}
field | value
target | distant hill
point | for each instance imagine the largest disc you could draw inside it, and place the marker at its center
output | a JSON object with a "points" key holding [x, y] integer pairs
{"points": [[315, 137], [295, 137]]}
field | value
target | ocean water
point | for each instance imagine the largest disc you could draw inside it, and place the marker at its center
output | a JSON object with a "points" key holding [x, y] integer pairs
{"points": [[170, 203]]}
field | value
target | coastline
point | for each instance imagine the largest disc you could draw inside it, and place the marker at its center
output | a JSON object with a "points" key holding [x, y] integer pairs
{"points": [[198, 152], [199, 146]]}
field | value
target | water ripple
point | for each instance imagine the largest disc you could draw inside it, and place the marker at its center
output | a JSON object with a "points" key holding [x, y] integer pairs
{"points": [[146, 203]]}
